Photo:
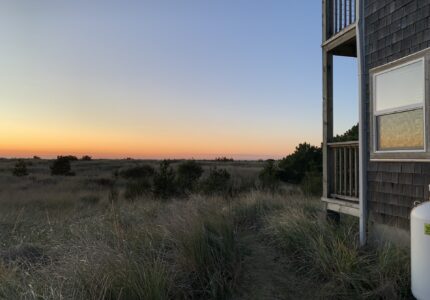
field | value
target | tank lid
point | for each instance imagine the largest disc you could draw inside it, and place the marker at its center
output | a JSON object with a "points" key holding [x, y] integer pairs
{"points": [[422, 211]]}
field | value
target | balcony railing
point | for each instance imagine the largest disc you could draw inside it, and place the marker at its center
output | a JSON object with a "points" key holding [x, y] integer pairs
{"points": [[340, 14], [345, 171]]}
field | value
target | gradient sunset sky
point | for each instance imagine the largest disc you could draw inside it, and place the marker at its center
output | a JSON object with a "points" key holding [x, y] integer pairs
{"points": [[165, 79]]}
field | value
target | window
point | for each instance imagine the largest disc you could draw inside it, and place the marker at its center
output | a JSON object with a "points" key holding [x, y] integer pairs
{"points": [[399, 96]]}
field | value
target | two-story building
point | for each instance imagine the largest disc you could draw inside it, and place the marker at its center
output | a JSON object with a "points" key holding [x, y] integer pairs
{"points": [[380, 177]]}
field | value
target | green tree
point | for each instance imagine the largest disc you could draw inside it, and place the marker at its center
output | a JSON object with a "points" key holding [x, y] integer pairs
{"points": [[349, 136], [305, 158]]}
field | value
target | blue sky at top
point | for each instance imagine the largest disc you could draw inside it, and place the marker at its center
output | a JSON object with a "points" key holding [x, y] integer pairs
{"points": [[218, 76]]}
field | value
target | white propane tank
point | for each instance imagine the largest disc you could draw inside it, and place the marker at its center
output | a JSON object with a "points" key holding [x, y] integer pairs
{"points": [[420, 251]]}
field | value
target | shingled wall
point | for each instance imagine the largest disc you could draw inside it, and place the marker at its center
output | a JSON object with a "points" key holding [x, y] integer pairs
{"points": [[394, 29]]}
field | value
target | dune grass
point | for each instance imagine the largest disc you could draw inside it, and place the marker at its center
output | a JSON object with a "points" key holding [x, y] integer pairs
{"points": [[80, 238], [329, 255]]}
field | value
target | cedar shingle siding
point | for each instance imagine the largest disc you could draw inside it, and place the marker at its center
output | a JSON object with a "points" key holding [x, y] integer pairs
{"points": [[394, 29]]}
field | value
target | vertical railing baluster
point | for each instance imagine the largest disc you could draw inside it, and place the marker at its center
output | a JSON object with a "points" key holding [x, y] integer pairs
{"points": [[355, 172], [341, 14], [336, 15], [350, 170], [335, 170], [340, 171], [344, 13], [344, 171]]}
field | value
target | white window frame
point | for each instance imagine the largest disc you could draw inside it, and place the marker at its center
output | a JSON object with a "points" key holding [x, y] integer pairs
{"points": [[405, 108]]}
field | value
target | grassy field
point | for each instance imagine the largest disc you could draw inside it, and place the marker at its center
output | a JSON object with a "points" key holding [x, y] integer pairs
{"points": [[79, 237]]}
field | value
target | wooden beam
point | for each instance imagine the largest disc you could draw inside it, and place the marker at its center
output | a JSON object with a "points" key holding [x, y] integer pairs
{"points": [[327, 121], [346, 38]]}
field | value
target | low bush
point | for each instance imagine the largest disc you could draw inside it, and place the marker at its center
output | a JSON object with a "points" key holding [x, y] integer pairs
{"points": [[138, 172], [311, 184], [86, 158], [90, 200], [224, 159], [61, 166], [70, 157], [188, 175], [269, 176], [20, 169], [137, 188], [164, 182], [217, 182], [103, 182]]}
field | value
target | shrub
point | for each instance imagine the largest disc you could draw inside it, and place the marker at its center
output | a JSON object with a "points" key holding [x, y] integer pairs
{"points": [[164, 181], [350, 135], [20, 168], [90, 199], [188, 174], [61, 166], [224, 159], [136, 189], [311, 184], [86, 158], [218, 182], [305, 158], [103, 182], [138, 172], [269, 176], [70, 157]]}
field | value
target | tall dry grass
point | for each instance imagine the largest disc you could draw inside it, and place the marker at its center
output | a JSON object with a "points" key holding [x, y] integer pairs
{"points": [[330, 255], [79, 238]]}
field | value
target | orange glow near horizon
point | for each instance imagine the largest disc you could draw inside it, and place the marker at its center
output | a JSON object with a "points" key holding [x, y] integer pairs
{"points": [[53, 142], [134, 150]]}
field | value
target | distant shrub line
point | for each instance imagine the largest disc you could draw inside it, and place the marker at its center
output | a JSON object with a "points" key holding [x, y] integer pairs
{"points": [[166, 182]]}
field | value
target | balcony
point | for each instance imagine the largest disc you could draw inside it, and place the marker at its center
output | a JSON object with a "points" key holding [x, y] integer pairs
{"points": [[345, 172], [343, 177], [340, 15], [340, 27]]}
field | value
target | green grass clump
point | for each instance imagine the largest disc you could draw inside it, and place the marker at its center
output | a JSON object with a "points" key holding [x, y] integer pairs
{"points": [[211, 256], [331, 256], [9, 283], [118, 276]]}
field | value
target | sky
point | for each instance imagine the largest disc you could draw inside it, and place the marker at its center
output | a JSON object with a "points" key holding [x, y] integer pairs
{"points": [[165, 79]]}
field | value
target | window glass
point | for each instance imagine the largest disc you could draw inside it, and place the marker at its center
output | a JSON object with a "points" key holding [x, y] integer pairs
{"points": [[401, 131], [400, 87]]}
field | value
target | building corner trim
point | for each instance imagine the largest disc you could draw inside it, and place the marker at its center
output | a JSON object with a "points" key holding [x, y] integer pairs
{"points": [[362, 121]]}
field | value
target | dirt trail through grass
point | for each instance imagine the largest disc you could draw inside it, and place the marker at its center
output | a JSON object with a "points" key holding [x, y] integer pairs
{"points": [[266, 274]]}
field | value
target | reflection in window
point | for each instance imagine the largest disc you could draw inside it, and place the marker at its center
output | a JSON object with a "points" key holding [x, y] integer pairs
{"points": [[401, 86], [401, 131]]}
